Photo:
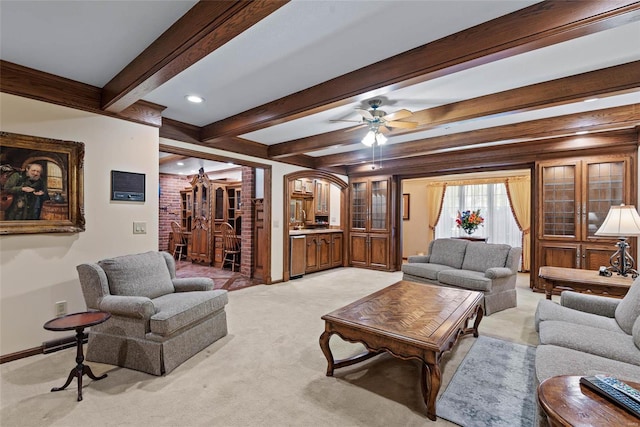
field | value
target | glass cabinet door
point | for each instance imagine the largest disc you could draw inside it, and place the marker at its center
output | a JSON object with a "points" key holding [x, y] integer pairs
{"points": [[379, 203], [559, 195], [219, 204], [605, 184], [359, 205]]}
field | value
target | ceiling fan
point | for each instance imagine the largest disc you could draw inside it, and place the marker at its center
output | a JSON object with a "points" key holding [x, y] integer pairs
{"points": [[379, 120]]}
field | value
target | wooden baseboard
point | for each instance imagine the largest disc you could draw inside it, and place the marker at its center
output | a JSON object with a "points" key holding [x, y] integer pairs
{"points": [[46, 348]]}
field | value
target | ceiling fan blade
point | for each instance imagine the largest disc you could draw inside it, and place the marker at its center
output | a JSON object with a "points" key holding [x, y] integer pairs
{"points": [[365, 113], [355, 127], [398, 115], [405, 125], [350, 121]]}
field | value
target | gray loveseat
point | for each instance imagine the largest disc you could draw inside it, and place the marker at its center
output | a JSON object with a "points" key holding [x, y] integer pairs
{"points": [[477, 266], [157, 320]]}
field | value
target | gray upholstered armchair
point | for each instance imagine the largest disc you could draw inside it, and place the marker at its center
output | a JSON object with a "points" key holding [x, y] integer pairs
{"points": [[157, 320]]}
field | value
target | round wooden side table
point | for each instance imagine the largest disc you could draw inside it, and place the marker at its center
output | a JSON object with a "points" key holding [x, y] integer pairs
{"points": [[78, 321], [568, 403]]}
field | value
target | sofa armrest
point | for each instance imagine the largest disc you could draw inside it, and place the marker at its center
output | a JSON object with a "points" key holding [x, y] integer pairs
{"points": [[595, 304], [137, 307], [188, 284], [418, 258], [498, 272]]}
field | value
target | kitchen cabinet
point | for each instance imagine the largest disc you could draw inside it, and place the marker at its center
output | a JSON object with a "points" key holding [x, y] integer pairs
{"points": [[298, 257], [573, 199], [370, 223], [321, 198], [336, 249], [318, 252], [312, 251]]}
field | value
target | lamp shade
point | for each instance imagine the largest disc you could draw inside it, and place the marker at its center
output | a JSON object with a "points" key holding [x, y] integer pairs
{"points": [[621, 221], [369, 138]]}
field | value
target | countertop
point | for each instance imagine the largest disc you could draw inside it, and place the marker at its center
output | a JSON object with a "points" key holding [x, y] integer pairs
{"points": [[306, 231]]}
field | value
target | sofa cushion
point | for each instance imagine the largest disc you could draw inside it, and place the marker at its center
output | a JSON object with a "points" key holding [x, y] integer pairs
{"points": [[428, 271], [611, 345], [448, 252], [629, 308], [178, 310], [552, 360], [482, 256], [140, 275], [472, 280], [550, 310]]}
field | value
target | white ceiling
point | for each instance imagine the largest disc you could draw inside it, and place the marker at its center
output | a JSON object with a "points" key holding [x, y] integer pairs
{"points": [[303, 43]]}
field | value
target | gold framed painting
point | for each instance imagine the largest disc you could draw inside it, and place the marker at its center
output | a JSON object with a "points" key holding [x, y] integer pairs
{"points": [[41, 185]]}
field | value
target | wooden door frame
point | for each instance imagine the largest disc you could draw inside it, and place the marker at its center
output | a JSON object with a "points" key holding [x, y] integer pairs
{"points": [[268, 173]]}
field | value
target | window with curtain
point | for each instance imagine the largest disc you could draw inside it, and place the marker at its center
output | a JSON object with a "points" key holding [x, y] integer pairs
{"points": [[493, 202]]}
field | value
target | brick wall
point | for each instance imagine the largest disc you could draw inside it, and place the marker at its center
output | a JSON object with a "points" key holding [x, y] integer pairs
{"points": [[248, 193], [170, 187]]}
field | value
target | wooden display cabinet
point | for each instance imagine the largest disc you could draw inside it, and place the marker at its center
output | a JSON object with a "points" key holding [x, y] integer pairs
{"points": [[370, 223], [574, 197]]}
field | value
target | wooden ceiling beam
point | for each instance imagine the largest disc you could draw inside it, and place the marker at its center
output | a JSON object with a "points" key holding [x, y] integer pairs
{"points": [[627, 116], [605, 82], [509, 155], [534, 27], [204, 28]]}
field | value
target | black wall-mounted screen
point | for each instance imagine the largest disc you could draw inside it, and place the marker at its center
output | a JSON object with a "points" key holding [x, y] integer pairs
{"points": [[127, 186]]}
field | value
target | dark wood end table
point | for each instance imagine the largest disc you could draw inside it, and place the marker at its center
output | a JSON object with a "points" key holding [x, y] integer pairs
{"points": [[568, 403], [585, 281], [410, 321], [78, 321]]}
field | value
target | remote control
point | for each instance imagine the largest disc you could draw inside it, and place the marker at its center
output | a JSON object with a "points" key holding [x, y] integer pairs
{"points": [[620, 394]]}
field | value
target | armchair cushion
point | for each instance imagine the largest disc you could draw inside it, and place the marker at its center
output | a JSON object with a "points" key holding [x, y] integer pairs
{"points": [[550, 310], [629, 308], [188, 284], [594, 304], [144, 275], [478, 258], [175, 311]]}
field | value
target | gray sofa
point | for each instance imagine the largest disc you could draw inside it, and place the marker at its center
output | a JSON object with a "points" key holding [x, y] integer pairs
{"points": [[588, 335], [477, 266], [157, 320]]}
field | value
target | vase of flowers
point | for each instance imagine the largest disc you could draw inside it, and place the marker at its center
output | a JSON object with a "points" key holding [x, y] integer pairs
{"points": [[469, 221]]}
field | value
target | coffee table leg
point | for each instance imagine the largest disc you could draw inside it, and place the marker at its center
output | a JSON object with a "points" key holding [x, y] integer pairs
{"points": [[324, 345], [476, 323], [430, 384]]}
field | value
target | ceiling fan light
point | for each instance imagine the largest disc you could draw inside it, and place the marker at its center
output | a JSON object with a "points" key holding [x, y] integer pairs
{"points": [[369, 138], [380, 138]]}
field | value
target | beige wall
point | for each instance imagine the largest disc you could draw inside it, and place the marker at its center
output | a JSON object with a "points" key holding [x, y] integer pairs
{"points": [[36, 270], [415, 229]]}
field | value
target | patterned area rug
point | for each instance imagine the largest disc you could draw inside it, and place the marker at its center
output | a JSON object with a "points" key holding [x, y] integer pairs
{"points": [[493, 386], [222, 279]]}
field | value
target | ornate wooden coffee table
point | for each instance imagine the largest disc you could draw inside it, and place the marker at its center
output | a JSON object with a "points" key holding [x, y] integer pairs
{"points": [[410, 321]]}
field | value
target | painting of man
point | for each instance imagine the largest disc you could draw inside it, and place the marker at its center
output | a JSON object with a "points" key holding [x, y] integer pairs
{"points": [[28, 191]]}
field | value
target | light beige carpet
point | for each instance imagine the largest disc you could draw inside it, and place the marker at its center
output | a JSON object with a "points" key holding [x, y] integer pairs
{"points": [[269, 370]]}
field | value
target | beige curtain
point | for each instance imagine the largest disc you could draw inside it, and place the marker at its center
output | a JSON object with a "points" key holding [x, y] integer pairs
{"points": [[435, 196], [519, 192]]}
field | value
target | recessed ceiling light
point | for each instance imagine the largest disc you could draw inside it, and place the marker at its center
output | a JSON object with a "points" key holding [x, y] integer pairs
{"points": [[582, 132], [180, 164], [591, 99], [230, 163], [195, 99]]}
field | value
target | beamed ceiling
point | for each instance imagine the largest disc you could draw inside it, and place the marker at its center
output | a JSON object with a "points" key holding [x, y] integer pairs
{"points": [[490, 84]]}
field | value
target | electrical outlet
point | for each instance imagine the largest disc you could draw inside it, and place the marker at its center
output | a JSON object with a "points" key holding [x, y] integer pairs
{"points": [[61, 308], [139, 227]]}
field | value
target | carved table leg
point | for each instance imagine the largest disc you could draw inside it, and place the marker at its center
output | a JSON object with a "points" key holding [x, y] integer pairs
{"points": [[324, 345], [430, 384], [479, 315]]}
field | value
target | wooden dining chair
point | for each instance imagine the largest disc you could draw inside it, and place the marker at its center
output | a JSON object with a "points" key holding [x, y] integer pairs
{"points": [[231, 246], [179, 241]]}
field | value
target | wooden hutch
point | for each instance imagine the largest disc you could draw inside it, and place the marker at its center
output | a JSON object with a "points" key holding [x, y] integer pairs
{"points": [[204, 206]]}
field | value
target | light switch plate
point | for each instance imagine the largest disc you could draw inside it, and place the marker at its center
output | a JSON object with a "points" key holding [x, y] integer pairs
{"points": [[139, 227]]}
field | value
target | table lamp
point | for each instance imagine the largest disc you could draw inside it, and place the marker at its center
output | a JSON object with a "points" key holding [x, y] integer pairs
{"points": [[621, 221]]}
